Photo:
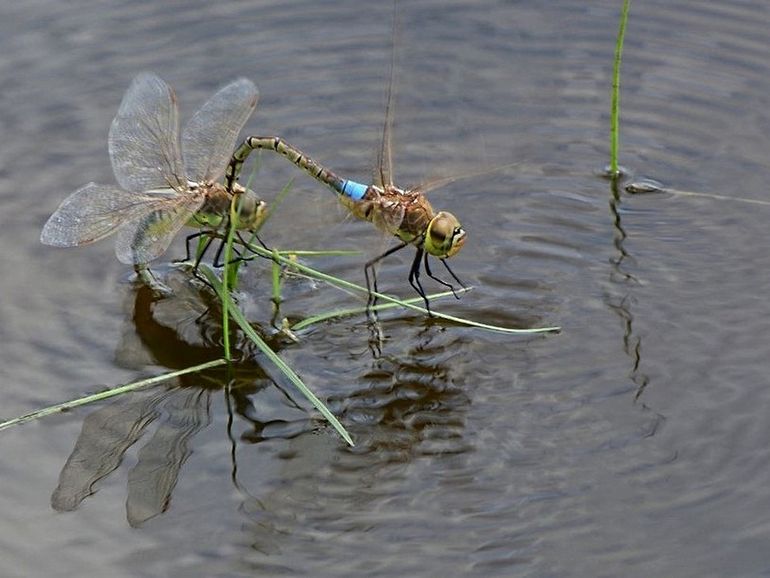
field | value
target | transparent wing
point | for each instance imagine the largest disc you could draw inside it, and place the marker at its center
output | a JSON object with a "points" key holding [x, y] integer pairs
{"points": [[388, 215], [209, 138], [144, 137], [384, 175], [91, 213], [147, 236], [437, 183]]}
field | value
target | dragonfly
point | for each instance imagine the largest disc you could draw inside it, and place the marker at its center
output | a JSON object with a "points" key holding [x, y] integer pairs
{"points": [[163, 184], [404, 213]]}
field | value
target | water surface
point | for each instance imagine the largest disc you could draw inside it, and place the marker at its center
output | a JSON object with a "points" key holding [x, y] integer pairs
{"points": [[634, 443]]}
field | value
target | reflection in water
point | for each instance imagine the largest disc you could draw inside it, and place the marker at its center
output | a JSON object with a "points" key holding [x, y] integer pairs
{"points": [[621, 306], [413, 401], [110, 431], [175, 332], [409, 407], [104, 438], [181, 410], [619, 274], [152, 479]]}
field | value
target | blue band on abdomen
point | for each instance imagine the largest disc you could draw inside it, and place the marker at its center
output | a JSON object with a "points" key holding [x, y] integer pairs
{"points": [[354, 190]]}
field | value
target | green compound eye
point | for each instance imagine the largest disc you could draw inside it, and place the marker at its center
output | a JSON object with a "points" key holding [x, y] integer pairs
{"points": [[251, 210], [445, 237]]}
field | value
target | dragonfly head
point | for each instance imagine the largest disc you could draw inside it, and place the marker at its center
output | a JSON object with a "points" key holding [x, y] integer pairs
{"points": [[251, 210], [444, 236]]}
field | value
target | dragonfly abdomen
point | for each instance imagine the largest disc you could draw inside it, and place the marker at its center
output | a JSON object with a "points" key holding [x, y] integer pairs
{"points": [[350, 189]]}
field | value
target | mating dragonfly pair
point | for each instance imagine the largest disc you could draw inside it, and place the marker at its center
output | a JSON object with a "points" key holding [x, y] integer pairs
{"points": [[164, 186]]}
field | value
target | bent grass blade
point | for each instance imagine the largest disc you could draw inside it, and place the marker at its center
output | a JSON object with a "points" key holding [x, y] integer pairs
{"points": [[321, 317], [348, 285], [243, 323]]}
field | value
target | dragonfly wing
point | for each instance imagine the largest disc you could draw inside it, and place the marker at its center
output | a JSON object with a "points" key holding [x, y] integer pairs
{"points": [[89, 214], [384, 174], [148, 235], [209, 138], [437, 183], [144, 137], [388, 216]]}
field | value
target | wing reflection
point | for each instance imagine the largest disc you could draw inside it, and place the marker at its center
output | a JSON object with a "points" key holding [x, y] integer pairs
{"points": [[106, 435], [405, 406], [177, 332], [151, 481]]}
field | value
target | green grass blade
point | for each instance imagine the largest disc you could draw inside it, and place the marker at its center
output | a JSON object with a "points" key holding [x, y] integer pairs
{"points": [[227, 282], [235, 267], [277, 281], [348, 285], [321, 317], [615, 100], [278, 200], [274, 357], [108, 394], [322, 253]]}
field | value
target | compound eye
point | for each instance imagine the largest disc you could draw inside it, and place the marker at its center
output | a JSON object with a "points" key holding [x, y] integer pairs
{"points": [[246, 207], [440, 232], [444, 235]]}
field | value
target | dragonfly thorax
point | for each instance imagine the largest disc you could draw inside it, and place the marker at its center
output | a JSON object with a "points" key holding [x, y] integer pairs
{"points": [[216, 207]]}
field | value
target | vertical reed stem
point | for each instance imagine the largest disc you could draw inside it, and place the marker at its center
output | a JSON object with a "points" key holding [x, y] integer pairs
{"points": [[615, 103], [231, 223]]}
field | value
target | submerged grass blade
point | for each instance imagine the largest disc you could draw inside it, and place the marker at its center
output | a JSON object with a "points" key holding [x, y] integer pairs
{"points": [[615, 100], [714, 196], [274, 357], [108, 393], [322, 253], [348, 285]]}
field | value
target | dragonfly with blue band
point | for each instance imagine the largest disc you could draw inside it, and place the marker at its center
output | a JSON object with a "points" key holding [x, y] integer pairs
{"points": [[404, 213]]}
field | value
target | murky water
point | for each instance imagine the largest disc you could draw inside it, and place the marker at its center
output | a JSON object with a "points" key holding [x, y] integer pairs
{"points": [[634, 443]]}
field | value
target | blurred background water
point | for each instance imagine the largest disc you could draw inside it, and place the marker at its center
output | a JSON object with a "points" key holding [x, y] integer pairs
{"points": [[634, 443]]}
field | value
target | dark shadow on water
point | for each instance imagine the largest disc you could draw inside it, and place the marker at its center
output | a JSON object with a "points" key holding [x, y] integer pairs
{"points": [[625, 282], [404, 406], [174, 333]]}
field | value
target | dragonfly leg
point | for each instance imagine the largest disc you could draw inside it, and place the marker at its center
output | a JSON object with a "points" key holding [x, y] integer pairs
{"points": [[444, 283], [188, 240], [246, 244], [414, 279], [218, 262], [371, 282], [218, 255], [452, 273], [223, 242]]}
